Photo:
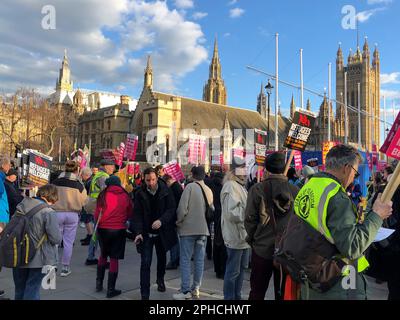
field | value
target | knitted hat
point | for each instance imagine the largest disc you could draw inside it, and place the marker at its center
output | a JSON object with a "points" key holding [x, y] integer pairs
{"points": [[113, 181], [12, 172], [275, 163], [106, 162]]}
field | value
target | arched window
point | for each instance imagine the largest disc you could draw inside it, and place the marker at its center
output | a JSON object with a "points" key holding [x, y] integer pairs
{"points": [[150, 119]]}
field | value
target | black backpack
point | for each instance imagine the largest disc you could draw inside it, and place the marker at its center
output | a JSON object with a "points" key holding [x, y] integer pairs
{"points": [[209, 214], [308, 257], [16, 245]]}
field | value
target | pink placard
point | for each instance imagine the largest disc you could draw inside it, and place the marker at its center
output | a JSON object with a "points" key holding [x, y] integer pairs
{"points": [[121, 154], [391, 136], [393, 150], [131, 145], [173, 169], [298, 164], [381, 165]]}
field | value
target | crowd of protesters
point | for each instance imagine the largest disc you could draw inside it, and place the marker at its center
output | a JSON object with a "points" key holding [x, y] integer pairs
{"points": [[248, 217]]}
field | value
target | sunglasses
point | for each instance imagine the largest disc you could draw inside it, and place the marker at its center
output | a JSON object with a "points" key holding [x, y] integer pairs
{"points": [[357, 173]]}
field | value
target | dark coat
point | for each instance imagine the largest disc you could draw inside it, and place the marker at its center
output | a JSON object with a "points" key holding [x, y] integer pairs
{"points": [[166, 210], [177, 191], [13, 196], [215, 184]]}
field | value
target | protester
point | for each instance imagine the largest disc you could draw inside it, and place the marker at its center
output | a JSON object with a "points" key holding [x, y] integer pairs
{"points": [[233, 202], [86, 218], [219, 249], [5, 166], [193, 232], [72, 197], [154, 225], [339, 226], [292, 176], [269, 207], [306, 174], [113, 210], [45, 233], [354, 192], [97, 184], [14, 197], [177, 190], [387, 172]]}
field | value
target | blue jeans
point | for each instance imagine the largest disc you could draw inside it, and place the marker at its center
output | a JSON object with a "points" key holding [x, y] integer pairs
{"points": [[92, 249], [27, 283], [188, 245], [237, 261], [174, 254], [145, 265]]}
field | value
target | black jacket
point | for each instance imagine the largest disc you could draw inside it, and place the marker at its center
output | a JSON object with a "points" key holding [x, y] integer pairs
{"points": [[177, 191], [166, 209], [13, 196]]}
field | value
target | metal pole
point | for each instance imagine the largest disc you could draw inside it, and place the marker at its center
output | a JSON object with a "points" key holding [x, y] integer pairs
{"points": [[384, 121], [346, 120], [59, 152], [276, 91], [359, 115], [301, 79], [394, 112], [329, 100], [268, 122]]}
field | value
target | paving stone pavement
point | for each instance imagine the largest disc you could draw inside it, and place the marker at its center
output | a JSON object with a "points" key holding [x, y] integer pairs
{"points": [[80, 284]]}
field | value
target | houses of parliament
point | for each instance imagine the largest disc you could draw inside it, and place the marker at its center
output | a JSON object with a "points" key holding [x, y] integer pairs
{"points": [[105, 126]]}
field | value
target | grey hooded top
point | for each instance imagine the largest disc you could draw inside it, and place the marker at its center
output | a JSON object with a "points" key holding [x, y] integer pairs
{"points": [[43, 222]]}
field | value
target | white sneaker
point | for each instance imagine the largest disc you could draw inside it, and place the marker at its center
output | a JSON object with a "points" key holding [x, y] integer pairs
{"points": [[66, 271], [82, 225], [195, 293], [182, 296]]}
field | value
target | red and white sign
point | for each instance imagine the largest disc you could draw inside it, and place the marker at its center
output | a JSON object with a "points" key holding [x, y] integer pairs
{"points": [[108, 154], [298, 164], [121, 154], [197, 149], [391, 146], [131, 146], [173, 169], [374, 155]]}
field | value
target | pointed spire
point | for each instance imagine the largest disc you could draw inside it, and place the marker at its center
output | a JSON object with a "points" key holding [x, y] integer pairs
{"points": [[148, 74], [226, 122], [340, 52], [261, 91], [215, 54], [292, 107], [308, 105], [366, 47], [350, 58]]}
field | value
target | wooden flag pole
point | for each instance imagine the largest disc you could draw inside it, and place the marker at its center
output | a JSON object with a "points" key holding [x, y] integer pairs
{"points": [[392, 185], [289, 162]]}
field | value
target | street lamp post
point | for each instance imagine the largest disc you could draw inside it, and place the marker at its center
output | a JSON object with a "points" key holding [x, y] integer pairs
{"points": [[268, 88]]}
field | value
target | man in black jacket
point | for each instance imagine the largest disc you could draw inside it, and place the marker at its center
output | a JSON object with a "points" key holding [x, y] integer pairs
{"points": [[154, 225], [177, 191], [14, 197]]}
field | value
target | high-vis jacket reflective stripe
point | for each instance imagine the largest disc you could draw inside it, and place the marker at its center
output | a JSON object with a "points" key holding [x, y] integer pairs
{"points": [[95, 190], [311, 204]]}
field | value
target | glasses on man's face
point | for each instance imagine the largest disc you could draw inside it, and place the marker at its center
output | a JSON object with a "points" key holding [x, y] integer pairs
{"points": [[357, 173]]}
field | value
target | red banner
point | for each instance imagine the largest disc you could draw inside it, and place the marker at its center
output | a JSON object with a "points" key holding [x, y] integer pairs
{"points": [[197, 149], [369, 160], [391, 136], [173, 169], [108, 154], [374, 155]]}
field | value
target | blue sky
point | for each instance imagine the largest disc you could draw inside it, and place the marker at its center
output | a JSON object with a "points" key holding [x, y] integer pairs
{"points": [[108, 41]]}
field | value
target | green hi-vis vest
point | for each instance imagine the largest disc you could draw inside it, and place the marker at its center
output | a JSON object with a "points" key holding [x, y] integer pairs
{"points": [[311, 204], [94, 189]]}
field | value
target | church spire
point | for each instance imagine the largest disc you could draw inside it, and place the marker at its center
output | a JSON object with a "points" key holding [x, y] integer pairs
{"points": [[308, 105], [148, 74], [214, 90], [292, 107], [64, 79]]}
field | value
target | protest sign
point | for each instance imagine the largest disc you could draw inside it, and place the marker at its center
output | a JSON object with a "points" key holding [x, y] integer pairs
{"points": [[37, 170], [173, 169], [300, 130]]}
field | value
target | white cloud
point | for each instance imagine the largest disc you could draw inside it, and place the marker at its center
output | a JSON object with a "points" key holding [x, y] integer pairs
{"points": [[364, 16], [227, 34], [372, 2], [390, 94], [236, 12], [232, 2], [199, 15], [387, 78], [107, 43], [184, 4]]}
